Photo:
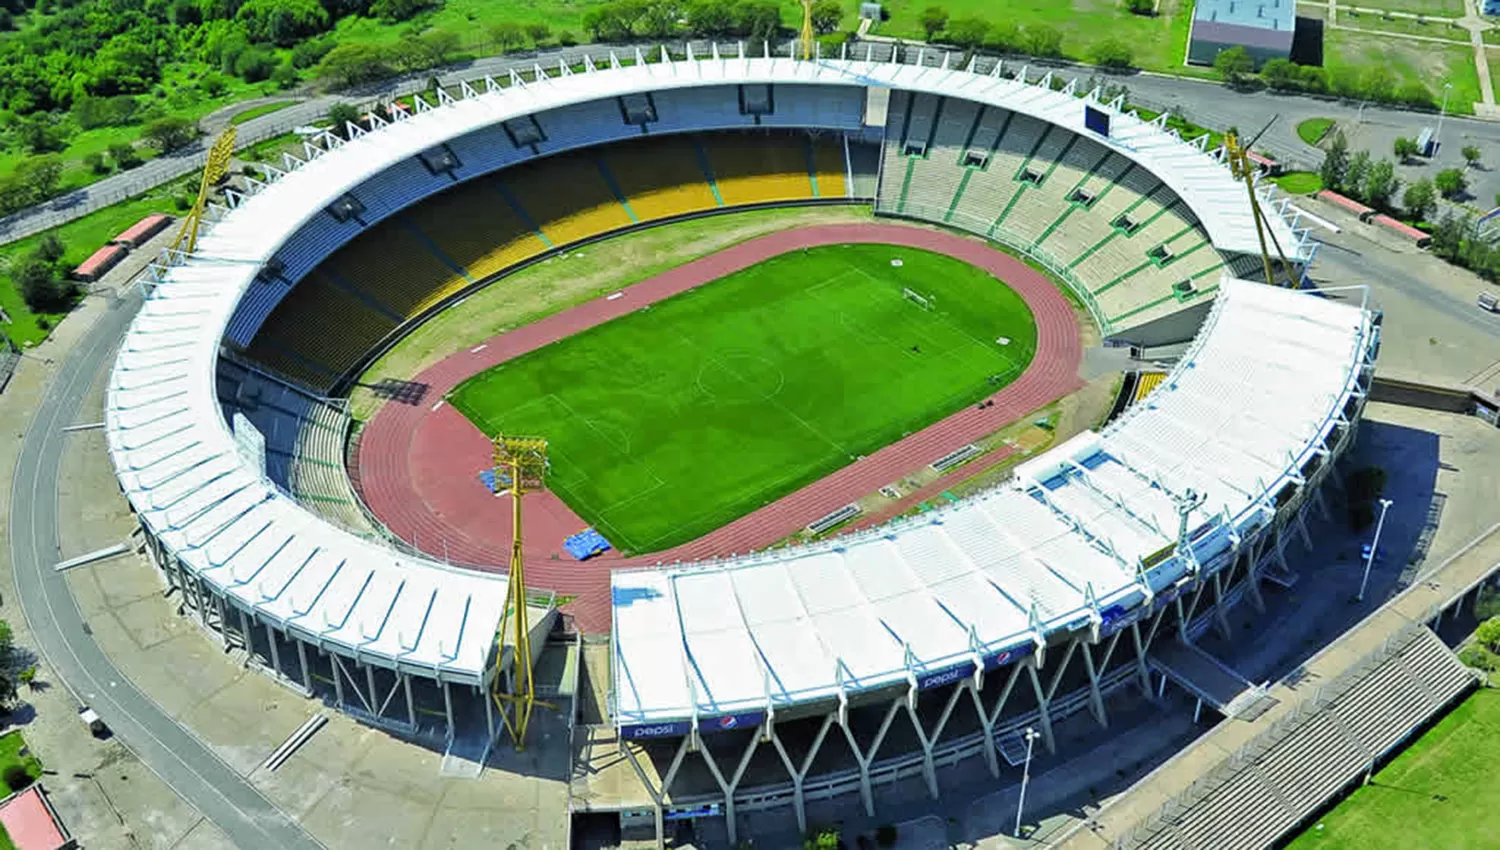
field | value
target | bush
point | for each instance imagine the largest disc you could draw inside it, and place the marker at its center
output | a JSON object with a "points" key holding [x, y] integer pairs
{"points": [[96, 164], [170, 133], [1113, 53], [1488, 634], [566, 38], [255, 65], [1479, 658], [1140, 7], [934, 19], [41, 287], [124, 155], [182, 202], [1451, 182], [308, 53], [17, 777]]}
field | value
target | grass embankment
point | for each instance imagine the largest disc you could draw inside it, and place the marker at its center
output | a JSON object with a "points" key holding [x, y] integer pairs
{"points": [[1313, 130], [1439, 793], [674, 420]]}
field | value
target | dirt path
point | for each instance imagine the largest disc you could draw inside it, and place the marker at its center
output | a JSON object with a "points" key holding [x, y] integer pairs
{"points": [[419, 464]]}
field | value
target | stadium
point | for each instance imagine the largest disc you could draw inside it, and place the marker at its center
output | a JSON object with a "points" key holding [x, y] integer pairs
{"points": [[743, 675]]}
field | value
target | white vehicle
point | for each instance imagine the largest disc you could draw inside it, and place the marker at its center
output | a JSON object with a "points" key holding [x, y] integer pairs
{"points": [[1489, 301], [92, 720]]}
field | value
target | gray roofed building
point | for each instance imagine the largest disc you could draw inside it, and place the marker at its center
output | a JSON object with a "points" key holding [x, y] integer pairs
{"points": [[1263, 27]]}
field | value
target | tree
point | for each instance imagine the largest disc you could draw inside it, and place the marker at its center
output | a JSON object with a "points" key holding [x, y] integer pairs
{"points": [[1354, 175], [934, 19], [1378, 83], [538, 33], [1281, 74], [1404, 149], [507, 35], [1141, 7], [1419, 199], [16, 776], [760, 20], [341, 115], [171, 133], [124, 155], [826, 15], [349, 64], [1335, 160], [395, 11], [1113, 53], [51, 248], [282, 22], [1043, 40], [1451, 182], [1448, 237], [255, 64], [43, 290], [1488, 634], [1381, 184], [968, 33], [1234, 65], [1471, 155], [711, 18]]}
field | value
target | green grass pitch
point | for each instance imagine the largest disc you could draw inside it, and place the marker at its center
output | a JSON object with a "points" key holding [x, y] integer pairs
{"points": [[1440, 793], [676, 419]]}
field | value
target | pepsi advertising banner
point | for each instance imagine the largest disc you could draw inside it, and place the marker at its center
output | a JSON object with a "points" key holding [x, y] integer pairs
{"points": [[678, 728], [945, 677], [728, 722], [656, 730], [1006, 657]]}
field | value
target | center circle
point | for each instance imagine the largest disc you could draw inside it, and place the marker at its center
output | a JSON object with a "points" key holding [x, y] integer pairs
{"points": [[740, 377]]}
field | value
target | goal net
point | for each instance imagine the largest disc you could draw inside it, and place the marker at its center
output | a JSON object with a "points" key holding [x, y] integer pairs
{"points": [[917, 298]]}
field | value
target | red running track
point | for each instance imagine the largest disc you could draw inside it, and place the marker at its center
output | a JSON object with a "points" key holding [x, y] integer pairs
{"points": [[418, 464]]}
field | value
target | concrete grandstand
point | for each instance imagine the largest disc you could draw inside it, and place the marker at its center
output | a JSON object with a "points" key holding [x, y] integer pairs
{"points": [[1098, 563]]}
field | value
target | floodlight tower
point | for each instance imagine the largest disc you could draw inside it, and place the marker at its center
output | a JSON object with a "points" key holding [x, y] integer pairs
{"points": [[1243, 169], [807, 30], [520, 466], [215, 166]]}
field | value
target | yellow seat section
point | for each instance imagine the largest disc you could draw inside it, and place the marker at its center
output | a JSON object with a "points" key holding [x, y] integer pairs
{"points": [[327, 328], [661, 178], [474, 226], [757, 169], [1145, 383], [394, 267], [828, 165], [567, 198]]}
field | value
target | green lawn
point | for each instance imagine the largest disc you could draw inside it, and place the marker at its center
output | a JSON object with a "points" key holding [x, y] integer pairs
{"points": [[1299, 182], [82, 236], [670, 422], [10, 753], [1158, 42], [1439, 794], [1429, 63], [1313, 130]]}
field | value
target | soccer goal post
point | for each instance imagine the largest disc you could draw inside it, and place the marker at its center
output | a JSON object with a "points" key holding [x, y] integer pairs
{"points": [[917, 298]]}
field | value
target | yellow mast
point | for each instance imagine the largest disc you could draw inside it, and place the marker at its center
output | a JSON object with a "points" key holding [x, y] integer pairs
{"points": [[214, 167], [807, 30], [520, 462], [1243, 169]]}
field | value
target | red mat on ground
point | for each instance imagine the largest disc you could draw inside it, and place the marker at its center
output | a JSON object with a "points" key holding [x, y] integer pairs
{"points": [[418, 465]]}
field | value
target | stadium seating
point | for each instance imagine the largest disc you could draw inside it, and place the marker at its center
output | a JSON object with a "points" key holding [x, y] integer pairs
{"points": [[588, 207], [660, 177], [318, 478], [1123, 235], [759, 169], [409, 263]]}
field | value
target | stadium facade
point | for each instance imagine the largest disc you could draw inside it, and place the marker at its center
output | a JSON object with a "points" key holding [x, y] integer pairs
{"points": [[1026, 603]]}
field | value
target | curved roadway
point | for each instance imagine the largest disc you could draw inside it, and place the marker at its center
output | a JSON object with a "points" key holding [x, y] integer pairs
{"points": [[182, 761]]}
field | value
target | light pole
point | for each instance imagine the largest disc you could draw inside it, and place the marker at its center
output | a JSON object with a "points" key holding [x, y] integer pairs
{"points": [[1385, 505], [1031, 735], [1442, 113]]}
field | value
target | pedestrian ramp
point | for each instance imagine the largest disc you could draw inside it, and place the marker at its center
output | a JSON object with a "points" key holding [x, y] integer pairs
{"points": [[1211, 680]]}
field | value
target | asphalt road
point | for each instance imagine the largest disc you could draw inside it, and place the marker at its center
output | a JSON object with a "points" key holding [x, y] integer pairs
{"points": [[192, 770]]}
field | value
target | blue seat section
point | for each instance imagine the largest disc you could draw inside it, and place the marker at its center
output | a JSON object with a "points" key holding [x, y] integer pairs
{"points": [[586, 544], [274, 407], [837, 107]]}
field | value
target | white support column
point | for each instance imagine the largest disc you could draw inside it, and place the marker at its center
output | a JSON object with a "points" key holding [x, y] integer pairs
{"points": [[370, 682], [1142, 671], [864, 757], [1096, 699], [728, 788], [929, 738], [489, 710], [411, 704], [1221, 616], [657, 795], [448, 707], [244, 632], [986, 725], [338, 679], [1322, 503], [799, 772], [1252, 576], [275, 654], [1301, 519], [302, 659]]}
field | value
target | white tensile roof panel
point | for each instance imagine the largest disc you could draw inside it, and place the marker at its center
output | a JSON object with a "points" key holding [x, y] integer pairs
{"points": [[1002, 564]]}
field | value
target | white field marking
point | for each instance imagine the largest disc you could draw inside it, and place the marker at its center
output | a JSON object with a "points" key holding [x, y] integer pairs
{"points": [[620, 294], [478, 348], [439, 404], [1002, 340], [897, 263]]}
